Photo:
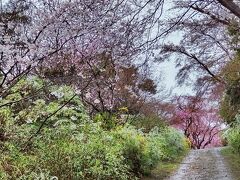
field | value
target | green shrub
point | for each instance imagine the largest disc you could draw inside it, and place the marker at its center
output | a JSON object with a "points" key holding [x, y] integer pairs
{"points": [[86, 153], [108, 121], [133, 142], [171, 142], [36, 99], [147, 123], [143, 151], [70, 144], [233, 138]]}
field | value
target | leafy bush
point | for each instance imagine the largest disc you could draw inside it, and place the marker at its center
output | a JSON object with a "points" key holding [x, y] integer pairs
{"points": [[67, 152], [230, 104], [170, 141], [227, 110], [92, 154], [133, 142], [108, 121], [143, 151], [89, 152], [31, 101], [233, 138], [71, 145], [147, 123], [233, 135]]}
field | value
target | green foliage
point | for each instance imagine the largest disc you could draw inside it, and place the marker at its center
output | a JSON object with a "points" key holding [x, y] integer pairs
{"points": [[230, 103], [90, 155], [232, 160], [170, 141], [108, 121], [227, 110], [31, 101], [133, 142], [233, 31], [89, 152], [233, 135], [71, 145], [68, 151], [143, 151], [147, 123]]}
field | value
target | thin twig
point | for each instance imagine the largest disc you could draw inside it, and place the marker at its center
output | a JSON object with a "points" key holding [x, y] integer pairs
{"points": [[48, 117]]}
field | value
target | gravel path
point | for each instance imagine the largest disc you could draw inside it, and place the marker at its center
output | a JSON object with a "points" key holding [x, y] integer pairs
{"points": [[206, 164]]}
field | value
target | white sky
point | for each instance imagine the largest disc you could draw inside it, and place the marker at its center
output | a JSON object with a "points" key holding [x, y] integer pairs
{"points": [[167, 68]]}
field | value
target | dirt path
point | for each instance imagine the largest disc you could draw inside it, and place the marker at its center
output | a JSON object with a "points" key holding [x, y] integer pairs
{"points": [[207, 164]]}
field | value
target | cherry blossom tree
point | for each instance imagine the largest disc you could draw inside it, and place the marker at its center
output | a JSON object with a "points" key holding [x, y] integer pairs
{"points": [[199, 122], [84, 43]]}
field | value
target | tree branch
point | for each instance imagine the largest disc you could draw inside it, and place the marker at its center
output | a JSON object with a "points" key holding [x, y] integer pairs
{"points": [[231, 6]]}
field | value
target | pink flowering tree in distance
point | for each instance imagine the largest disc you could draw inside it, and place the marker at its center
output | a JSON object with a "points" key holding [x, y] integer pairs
{"points": [[199, 122]]}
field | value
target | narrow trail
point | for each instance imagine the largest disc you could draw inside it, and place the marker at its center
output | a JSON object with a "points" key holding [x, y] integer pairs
{"points": [[206, 164]]}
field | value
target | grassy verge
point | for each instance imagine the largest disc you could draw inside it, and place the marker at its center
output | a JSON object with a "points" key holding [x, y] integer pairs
{"points": [[165, 169], [233, 160]]}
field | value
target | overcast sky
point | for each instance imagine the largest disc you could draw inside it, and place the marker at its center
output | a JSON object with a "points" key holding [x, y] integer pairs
{"points": [[168, 69]]}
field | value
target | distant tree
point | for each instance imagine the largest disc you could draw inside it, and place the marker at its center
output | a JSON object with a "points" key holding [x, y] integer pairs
{"points": [[198, 121], [230, 103]]}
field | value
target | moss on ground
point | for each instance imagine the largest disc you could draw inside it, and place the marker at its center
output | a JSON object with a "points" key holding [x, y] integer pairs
{"points": [[233, 161]]}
